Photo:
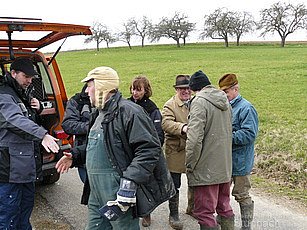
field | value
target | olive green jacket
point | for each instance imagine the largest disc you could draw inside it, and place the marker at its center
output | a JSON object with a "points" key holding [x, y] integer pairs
{"points": [[209, 138], [174, 117]]}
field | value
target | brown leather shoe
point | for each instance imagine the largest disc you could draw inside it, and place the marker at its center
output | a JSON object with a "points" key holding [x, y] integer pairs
{"points": [[146, 221]]}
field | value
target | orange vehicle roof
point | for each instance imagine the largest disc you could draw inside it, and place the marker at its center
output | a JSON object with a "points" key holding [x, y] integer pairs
{"points": [[52, 32]]}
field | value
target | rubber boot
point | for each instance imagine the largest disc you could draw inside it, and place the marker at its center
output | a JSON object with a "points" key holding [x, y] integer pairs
{"points": [[204, 227], [190, 207], [227, 223], [247, 215], [146, 221], [174, 220]]}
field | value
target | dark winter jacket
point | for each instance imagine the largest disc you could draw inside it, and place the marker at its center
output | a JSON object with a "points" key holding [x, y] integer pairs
{"points": [[20, 136], [154, 113], [76, 117], [134, 150]]}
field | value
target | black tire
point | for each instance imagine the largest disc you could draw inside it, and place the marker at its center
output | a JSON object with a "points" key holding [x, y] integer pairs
{"points": [[51, 179]]}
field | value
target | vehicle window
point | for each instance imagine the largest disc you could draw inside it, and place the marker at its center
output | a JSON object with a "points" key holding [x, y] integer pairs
{"points": [[45, 78]]}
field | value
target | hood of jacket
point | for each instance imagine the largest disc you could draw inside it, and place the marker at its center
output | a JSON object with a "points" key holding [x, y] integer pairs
{"points": [[215, 96]]}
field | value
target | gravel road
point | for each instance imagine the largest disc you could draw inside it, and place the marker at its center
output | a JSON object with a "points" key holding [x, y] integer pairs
{"points": [[58, 208]]}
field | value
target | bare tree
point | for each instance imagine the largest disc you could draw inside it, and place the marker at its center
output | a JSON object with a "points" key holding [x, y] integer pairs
{"points": [[187, 28], [178, 27], [142, 27], [219, 25], [243, 23], [100, 33], [127, 33], [284, 19]]}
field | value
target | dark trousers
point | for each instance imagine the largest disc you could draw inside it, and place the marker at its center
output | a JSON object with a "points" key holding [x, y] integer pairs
{"points": [[210, 199], [16, 205]]}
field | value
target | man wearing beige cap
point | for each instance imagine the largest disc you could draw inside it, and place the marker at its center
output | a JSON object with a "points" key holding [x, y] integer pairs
{"points": [[244, 133], [127, 173]]}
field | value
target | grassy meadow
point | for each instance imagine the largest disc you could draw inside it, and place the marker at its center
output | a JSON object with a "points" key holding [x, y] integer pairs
{"points": [[274, 79]]}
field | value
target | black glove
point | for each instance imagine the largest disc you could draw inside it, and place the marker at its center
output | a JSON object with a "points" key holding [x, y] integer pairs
{"points": [[113, 210]]}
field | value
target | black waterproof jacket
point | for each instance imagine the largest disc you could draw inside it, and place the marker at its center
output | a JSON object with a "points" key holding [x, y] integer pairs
{"points": [[20, 136], [134, 150], [76, 117], [154, 113]]}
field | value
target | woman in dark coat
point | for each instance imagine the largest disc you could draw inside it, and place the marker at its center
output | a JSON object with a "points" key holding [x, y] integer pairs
{"points": [[140, 90]]}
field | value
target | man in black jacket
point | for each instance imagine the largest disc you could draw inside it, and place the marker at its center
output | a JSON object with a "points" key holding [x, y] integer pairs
{"points": [[76, 121], [127, 172], [20, 136]]}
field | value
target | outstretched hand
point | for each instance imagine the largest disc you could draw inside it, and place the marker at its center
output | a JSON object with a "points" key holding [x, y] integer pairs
{"points": [[49, 143], [64, 163]]}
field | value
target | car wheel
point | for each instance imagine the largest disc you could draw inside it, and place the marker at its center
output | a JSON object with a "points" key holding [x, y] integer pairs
{"points": [[51, 179]]}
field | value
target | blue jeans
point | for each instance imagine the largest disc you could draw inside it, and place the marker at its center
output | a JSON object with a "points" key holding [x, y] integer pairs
{"points": [[16, 205]]}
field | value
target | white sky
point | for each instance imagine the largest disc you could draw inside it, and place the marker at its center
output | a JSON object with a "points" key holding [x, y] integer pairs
{"points": [[114, 13]]}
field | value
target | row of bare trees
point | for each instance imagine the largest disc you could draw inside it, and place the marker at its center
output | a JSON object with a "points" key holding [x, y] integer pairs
{"points": [[281, 18]]}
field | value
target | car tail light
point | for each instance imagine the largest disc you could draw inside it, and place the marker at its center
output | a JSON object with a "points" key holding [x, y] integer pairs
{"points": [[60, 134]]}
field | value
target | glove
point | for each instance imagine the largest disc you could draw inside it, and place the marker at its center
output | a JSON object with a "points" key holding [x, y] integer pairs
{"points": [[125, 199], [126, 193], [113, 210]]}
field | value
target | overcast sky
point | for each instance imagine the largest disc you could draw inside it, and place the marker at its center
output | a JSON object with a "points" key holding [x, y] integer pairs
{"points": [[114, 13]]}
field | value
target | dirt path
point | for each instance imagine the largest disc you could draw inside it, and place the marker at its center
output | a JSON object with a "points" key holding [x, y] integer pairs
{"points": [[57, 208]]}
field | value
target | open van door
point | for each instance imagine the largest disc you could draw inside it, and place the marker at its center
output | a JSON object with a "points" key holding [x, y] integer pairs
{"points": [[49, 88]]}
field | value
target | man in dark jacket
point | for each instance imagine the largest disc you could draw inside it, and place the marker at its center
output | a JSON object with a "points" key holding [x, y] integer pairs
{"points": [[76, 121], [127, 172], [20, 136]]}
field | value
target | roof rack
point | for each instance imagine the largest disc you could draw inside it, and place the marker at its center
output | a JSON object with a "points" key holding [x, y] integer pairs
{"points": [[19, 20]]}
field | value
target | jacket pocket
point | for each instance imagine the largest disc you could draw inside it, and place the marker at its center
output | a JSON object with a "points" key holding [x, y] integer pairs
{"points": [[22, 162], [145, 202]]}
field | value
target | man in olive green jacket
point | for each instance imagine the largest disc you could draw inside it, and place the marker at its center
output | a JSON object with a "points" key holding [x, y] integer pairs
{"points": [[174, 124], [208, 149]]}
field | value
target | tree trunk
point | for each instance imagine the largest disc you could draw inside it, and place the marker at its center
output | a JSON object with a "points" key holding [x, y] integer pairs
{"points": [[108, 45], [238, 40], [178, 43], [97, 46], [129, 45], [183, 41], [283, 41], [143, 38], [226, 42]]}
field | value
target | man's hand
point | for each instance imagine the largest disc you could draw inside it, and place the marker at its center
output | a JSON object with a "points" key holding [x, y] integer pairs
{"points": [[126, 194], [185, 129], [64, 163], [49, 143], [35, 104]]}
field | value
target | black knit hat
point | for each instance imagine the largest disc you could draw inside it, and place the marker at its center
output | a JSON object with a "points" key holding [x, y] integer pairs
{"points": [[198, 81]]}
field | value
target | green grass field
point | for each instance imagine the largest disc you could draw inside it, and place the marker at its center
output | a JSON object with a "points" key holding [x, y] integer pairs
{"points": [[274, 79]]}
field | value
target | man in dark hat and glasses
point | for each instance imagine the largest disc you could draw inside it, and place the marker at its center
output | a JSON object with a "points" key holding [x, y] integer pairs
{"points": [[174, 123]]}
